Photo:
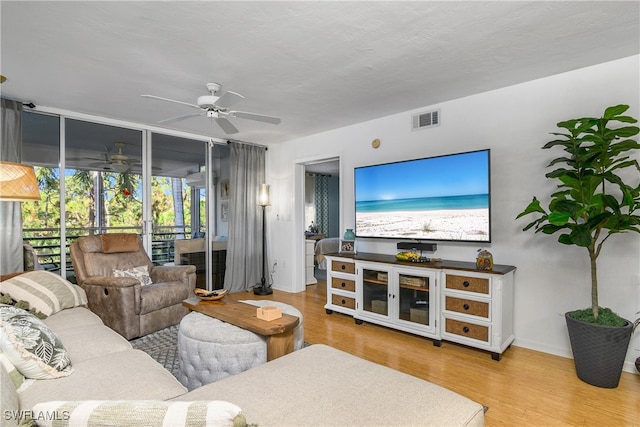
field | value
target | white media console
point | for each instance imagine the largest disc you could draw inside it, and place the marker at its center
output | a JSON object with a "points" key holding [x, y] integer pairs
{"points": [[443, 300]]}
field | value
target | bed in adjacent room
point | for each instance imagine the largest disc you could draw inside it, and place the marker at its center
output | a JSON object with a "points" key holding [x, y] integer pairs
{"points": [[326, 246]]}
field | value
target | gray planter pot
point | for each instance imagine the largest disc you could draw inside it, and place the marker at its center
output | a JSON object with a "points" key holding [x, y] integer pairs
{"points": [[598, 351]]}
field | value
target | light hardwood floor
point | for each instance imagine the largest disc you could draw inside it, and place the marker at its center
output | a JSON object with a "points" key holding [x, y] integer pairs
{"points": [[526, 388]]}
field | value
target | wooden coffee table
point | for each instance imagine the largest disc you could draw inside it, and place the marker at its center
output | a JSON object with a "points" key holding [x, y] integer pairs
{"points": [[279, 332]]}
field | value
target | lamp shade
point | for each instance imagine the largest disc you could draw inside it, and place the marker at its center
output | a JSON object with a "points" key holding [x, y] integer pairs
{"points": [[18, 182], [263, 195]]}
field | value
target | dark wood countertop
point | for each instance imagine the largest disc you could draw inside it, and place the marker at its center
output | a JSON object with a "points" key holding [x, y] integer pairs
{"points": [[442, 264]]}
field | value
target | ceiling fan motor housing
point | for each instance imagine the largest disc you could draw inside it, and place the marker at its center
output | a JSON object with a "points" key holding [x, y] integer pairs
{"points": [[207, 101]]}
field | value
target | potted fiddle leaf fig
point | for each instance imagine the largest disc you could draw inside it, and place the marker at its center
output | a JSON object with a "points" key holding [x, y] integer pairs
{"points": [[597, 197]]}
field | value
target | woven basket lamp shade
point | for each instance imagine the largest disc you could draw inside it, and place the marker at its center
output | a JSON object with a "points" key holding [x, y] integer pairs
{"points": [[18, 182]]}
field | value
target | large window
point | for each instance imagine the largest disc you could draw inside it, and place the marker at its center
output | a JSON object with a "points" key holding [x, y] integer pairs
{"points": [[106, 188]]}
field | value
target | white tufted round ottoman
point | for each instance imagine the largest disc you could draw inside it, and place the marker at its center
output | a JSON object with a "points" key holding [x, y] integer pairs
{"points": [[210, 349]]}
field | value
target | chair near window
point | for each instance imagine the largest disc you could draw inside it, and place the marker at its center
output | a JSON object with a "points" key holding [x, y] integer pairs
{"points": [[30, 258], [129, 305]]}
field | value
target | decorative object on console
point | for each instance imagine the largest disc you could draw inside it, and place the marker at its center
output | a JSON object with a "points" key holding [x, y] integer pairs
{"points": [[263, 200], [484, 260], [18, 182], [347, 246], [592, 202], [349, 234]]}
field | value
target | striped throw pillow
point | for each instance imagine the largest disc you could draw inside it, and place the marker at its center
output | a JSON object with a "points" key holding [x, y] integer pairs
{"points": [[17, 379], [45, 291], [134, 413]]}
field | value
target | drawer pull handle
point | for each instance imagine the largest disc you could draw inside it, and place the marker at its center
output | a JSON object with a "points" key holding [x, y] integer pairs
{"points": [[344, 301], [465, 329], [343, 267], [343, 284], [465, 284], [466, 306]]}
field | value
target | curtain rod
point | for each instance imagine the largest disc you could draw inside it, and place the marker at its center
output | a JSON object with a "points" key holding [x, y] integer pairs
{"points": [[230, 141], [26, 104]]}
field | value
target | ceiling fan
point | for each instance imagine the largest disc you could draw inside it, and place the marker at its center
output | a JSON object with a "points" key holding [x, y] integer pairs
{"points": [[216, 107], [118, 162]]}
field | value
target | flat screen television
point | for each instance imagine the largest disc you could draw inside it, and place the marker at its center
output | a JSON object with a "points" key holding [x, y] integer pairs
{"points": [[444, 198]]}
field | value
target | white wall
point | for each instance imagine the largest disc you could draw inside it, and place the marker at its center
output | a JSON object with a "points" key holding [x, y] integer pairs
{"points": [[514, 122]]}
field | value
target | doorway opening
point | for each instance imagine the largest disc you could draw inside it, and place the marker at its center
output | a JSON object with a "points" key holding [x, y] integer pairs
{"points": [[321, 215]]}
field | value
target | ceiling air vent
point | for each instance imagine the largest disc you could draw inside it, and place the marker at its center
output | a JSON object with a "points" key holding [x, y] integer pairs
{"points": [[425, 120]]}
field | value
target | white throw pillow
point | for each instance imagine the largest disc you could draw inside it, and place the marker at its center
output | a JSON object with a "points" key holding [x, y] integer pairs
{"points": [[134, 413], [45, 291], [31, 346], [141, 273]]}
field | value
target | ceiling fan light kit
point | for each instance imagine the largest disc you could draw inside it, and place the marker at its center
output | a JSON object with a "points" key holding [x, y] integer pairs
{"points": [[217, 108]]}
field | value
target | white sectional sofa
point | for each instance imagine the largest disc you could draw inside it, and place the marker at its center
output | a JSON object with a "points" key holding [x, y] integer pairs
{"points": [[316, 386]]}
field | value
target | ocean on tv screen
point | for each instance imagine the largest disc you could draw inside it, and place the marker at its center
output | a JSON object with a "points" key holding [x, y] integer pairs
{"points": [[464, 218]]}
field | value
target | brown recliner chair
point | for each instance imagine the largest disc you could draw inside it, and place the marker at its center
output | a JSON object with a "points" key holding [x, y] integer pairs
{"points": [[123, 304]]}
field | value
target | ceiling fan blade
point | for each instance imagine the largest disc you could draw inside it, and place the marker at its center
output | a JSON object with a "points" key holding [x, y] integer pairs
{"points": [[78, 159], [100, 165], [228, 99], [171, 100], [226, 125], [180, 118], [254, 116]]}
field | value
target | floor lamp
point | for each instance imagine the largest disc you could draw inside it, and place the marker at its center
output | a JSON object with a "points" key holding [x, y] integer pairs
{"points": [[263, 200]]}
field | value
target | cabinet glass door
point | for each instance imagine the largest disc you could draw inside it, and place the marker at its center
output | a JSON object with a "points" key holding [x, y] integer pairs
{"points": [[414, 298], [375, 291]]}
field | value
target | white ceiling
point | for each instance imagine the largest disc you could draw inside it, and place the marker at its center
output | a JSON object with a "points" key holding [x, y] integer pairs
{"points": [[317, 65]]}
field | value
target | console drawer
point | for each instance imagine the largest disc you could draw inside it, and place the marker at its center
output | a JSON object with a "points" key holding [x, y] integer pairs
{"points": [[341, 301], [344, 284], [343, 267], [466, 306], [466, 329], [468, 284]]}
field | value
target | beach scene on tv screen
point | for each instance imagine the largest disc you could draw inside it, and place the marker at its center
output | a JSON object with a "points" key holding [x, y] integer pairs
{"points": [[437, 198]]}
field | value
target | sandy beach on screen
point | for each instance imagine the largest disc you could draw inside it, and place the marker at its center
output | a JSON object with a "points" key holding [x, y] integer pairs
{"points": [[468, 224]]}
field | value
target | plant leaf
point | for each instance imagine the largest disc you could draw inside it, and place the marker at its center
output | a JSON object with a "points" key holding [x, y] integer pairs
{"points": [[612, 112]]}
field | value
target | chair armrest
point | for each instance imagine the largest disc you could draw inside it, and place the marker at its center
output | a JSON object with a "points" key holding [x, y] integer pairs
{"points": [[119, 282], [172, 273]]}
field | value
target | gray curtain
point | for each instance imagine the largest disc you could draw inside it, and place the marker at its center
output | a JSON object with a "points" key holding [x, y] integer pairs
{"points": [[11, 212], [244, 248], [322, 203]]}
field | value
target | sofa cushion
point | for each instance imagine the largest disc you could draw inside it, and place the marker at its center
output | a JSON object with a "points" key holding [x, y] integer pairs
{"points": [[134, 413], [160, 295], [123, 375], [45, 291], [72, 318], [31, 346], [320, 385], [140, 273], [119, 242], [89, 341]]}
